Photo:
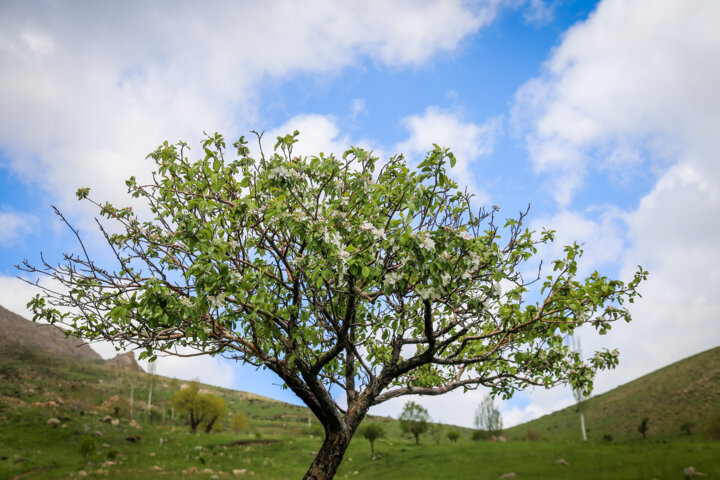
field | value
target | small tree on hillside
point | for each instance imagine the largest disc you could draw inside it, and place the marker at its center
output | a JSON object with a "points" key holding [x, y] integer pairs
{"points": [[487, 417], [372, 432], [453, 435], [579, 393], [380, 278], [213, 408], [643, 427], [200, 408], [238, 422], [414, 420]]}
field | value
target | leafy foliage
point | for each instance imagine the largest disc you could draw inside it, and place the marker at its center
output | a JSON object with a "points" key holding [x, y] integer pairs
{"points": [[453, 435], [238, 422], [377, 278], [414, 420], [200, 408]]}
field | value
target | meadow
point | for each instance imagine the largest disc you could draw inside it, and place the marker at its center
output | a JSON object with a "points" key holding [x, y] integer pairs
{"points": [[281, 439]]}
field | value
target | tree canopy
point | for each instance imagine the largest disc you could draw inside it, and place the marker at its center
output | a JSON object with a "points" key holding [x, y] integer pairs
{"points": [[414, 420], [377, 278]]}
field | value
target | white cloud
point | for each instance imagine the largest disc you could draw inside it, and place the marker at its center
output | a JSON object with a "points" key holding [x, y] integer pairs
{"points": [[14, 226], [85, 98], [468, 141], [632, 93]]}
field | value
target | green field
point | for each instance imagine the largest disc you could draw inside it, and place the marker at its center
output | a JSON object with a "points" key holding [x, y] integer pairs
{"points": [[280, 443]]}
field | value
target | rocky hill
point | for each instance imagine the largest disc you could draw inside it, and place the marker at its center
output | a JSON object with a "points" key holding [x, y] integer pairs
{"points": [[48, 338]]}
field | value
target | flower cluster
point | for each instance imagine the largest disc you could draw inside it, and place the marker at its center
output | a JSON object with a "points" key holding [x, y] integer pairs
{"points": [[378, 233]]}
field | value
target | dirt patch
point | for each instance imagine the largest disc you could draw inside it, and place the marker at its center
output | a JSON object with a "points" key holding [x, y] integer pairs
{"points": [[242, 443]]}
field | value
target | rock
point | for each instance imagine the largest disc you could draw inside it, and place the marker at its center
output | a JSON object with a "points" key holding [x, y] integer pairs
{"points": [[209, 471], [690, 472], [53, 421], [134, 424], [115, 422], [508, 475], [562, 462], [192, 471], [125, 361], [239, 472], [107, 419], [156, 468], [82, 473]]}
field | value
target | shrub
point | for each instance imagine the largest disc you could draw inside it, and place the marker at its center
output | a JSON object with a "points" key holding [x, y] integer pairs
{"points": [[686, 427], [607, 437], [713, 427], [481, 435], [643, 427], [532, 435], [238, 422], [87, 446], [453, 435]]}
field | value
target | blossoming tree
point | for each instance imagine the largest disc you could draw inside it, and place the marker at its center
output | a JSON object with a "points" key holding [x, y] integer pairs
{"points": [[377, 279]]}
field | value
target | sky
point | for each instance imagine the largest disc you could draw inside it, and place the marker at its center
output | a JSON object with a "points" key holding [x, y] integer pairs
{"points": [[603, 116]]}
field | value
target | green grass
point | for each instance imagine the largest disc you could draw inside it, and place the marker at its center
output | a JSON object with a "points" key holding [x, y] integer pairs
{"points": [[279, 443]]}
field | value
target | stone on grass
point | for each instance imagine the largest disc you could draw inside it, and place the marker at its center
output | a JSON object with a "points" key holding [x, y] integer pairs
{"points": [[53, 421], [562, 462], [690, 472], [508, 475], [239, 471]]}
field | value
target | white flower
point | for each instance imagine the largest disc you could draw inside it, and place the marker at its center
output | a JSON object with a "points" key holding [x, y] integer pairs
{"points": [[233, 244], [186, 301], [445, 278], [392, 278], [466, 235], [215, 301], [497, 288], [466, 276], [474, 261], [425, 293], [427, 244]]}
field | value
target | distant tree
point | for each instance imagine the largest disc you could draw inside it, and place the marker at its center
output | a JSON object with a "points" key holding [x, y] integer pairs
{"points": [[453, 435], [238, 422], [380, 277], [686, 427], [436, 431], [213, 408], [200, 408], [152, 368], [578, 392], [713, 426], [487, 417], [414, 420], [372, 432], [643, 427]]}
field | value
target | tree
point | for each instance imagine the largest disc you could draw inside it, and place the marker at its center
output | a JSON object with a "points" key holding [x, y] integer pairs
{"points": [[381, 280], [453, 435], [200, 408], [238, 422], [372, 432], [436, 431], [487, 417], [579, 393], [414, 420], [152, 368], [643, 427]]}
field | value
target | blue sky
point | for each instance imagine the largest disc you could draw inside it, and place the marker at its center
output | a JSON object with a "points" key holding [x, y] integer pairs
{"points": [[601, 115]]}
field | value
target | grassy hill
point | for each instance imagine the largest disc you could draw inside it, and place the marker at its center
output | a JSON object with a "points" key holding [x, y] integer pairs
{"points": [[280, 442], [686, 392]]}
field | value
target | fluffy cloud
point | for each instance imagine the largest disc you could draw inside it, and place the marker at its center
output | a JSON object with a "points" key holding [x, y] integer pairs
{"points": [[631, 94], [468, 141], [14, 226]]}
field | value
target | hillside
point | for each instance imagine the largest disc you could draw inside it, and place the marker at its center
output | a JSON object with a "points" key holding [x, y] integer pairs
{"points": [[687, 391], [48, 338]]}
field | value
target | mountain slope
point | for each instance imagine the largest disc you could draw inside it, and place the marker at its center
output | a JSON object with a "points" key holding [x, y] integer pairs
{"points": [[48, 338], [687, 391]]}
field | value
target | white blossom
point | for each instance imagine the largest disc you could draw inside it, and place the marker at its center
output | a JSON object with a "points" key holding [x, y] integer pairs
{"points": [[445, 278], [497, 288], [427, 244], [215, 301], [186, 301], [392, 278], [426, 293]]}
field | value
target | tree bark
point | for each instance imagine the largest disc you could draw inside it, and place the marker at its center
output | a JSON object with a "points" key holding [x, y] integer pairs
{"points": [[329, 457]]}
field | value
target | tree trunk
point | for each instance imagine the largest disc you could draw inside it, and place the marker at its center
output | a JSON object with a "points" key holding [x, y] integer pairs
{"points": [[210, 425], [329, 457], [417, 439], [582, 426]]}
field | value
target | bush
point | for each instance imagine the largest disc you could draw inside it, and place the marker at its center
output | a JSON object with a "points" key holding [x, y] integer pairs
{"points": [[238, 422], [532, 435], [607, 437], [643, 427], [686, 427], [87, 446], [453, 435], [713, 427], [481, 435]]}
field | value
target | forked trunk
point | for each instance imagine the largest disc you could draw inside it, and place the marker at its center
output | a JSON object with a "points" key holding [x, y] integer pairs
{"points": [[329, 457]]}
